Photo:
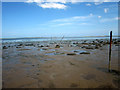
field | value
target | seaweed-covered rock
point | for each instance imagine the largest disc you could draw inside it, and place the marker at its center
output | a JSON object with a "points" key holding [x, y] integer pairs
{"points": [[20, 44], [44, 48], [71, 54], [57, 46], [5, 47], [40, 46], [85, 53]]}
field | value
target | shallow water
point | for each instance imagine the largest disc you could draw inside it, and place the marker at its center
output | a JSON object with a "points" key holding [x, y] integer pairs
{"points": [[49, 39]]}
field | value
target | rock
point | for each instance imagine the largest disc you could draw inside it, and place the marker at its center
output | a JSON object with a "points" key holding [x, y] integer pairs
{"points": [[89, 48], [57, 46], [76, 51], [71, 54], [41, 46], [85, 53], [47, 46], [117, 45], [20, 44], [44, 48], [115, 42], [96, 47], [29, 44], [18, 47], [4, 47]]}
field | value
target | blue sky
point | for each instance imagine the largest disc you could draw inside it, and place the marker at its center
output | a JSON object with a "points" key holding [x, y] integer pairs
{"points": [[28, 19]]}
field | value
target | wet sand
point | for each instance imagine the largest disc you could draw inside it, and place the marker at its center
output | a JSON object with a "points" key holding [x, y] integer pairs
{"points": [[74, 64]]}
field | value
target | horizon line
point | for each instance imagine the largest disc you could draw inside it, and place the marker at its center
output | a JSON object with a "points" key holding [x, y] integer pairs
{"points": [[59, 37]]}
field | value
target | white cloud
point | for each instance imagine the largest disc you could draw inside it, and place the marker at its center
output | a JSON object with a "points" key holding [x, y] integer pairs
{"points": [[73, 19], [60, 4], [63, 24], [99, 16], [106, 10], [52, 5], [98, 3], [91, 14], [110, 19], [88, 4], [57, 4]]}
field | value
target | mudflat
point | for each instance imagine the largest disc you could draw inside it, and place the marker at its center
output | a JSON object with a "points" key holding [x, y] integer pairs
{"points": [[66, 64]]}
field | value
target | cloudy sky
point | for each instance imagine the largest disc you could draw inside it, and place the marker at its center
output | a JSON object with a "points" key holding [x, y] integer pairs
{"points": [[34, 18]]}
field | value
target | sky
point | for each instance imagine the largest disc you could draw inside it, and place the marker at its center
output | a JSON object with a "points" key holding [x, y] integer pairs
{"points": [[57, 19]]}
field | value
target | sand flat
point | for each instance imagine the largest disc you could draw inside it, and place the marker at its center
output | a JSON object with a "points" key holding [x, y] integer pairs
{"points": [[32, 68]]}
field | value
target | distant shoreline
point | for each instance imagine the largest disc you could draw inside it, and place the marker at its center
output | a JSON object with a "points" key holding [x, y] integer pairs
{"points": [[52, 37]]}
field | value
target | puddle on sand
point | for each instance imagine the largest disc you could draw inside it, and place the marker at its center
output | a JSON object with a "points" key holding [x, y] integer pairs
{"points": [[78, 51], [54, 53]]}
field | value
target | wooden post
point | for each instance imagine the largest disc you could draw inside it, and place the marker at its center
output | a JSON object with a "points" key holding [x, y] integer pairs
{"points": [[109, 66]]}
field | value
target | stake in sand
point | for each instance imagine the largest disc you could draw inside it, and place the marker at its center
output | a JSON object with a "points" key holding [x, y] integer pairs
{"points": [[109, 66]]}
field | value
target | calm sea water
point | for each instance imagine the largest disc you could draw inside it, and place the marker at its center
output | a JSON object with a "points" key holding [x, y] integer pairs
{"points": [[53, 39]]}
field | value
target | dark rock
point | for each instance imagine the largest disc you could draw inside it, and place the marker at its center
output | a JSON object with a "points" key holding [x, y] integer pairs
{"points": [[44, 48], [96, 47], [71, 54], [47, 46], [20, 44], [57, 46], [117, 45], [76, 51], [4, 47], [115, 42], [18, 47], [41, 46], [85, 53], [29, 45]]}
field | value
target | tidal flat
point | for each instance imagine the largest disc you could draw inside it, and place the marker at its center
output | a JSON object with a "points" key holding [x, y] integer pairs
{"points": [[60, 64]]}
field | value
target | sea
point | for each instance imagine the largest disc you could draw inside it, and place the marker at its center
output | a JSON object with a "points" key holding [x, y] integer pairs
{"points": [[53, 39]]}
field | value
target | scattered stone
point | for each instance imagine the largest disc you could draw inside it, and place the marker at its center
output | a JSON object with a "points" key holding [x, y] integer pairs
{"points": [[71, 54], [96, 47], [4, 47], [20, 44], [117, 45], [57, 46], [29, 45], [85, 53], [41, 46], [47, 46], [76, 51], [18, 47], [44, 48]]}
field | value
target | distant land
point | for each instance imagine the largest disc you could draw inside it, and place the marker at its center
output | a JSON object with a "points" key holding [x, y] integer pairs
{"points": [[54, 37]]}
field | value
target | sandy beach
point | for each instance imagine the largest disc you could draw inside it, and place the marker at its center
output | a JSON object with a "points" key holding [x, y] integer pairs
{"points": [[55, 64]]}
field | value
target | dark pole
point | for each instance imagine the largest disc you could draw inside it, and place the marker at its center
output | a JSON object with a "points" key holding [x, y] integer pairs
{"points": [[109, 66]]}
